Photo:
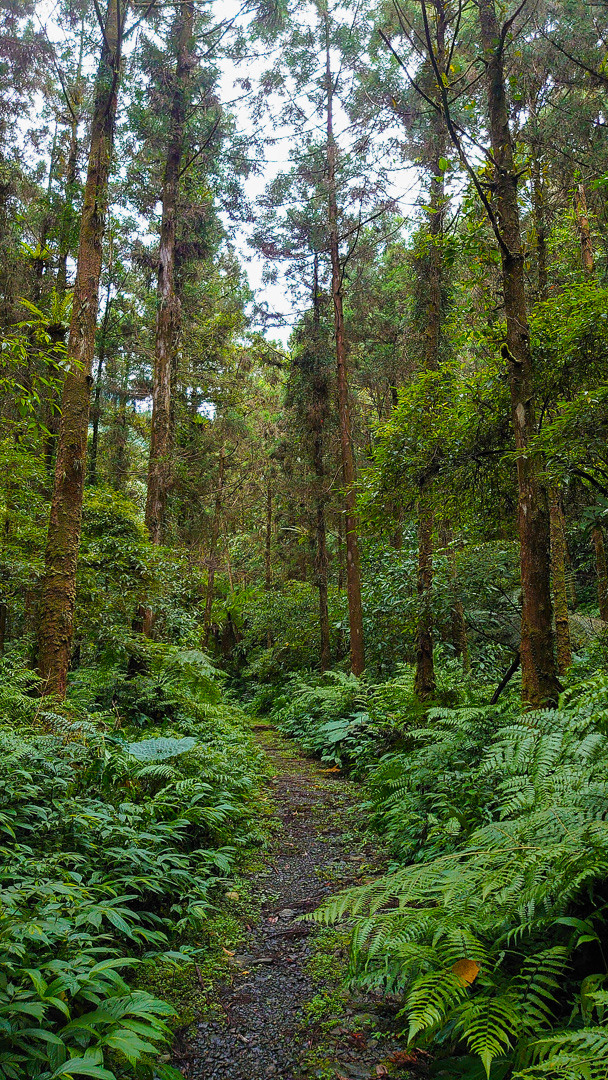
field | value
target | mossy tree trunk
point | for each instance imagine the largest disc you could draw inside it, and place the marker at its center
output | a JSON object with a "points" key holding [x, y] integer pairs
{"points": [[540, 685], [58, 594], [168, 314]]}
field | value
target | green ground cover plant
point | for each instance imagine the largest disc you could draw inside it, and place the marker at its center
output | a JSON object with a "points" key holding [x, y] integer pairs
{"points": [[490, 925], [120, 827]]}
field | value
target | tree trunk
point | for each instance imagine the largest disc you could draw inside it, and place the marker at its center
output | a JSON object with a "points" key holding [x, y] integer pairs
{"points": [[560, 593], [540, 685], [212, 558], [268, 540], [538, 203], [321, 565], [66, 216], [321, 409], [59, 582], [3, 625], [582, 217], [353, 570], [460, 639], [168, 316], [96, 409], [52, 416], [597, 536], [340, 581], [570, 575], [424, 683], [74, 104], [433, 284]]}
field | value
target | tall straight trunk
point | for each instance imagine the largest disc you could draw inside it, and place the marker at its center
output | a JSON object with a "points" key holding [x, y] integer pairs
{"points": [[268, 540], [340, 581], [558, 547], [540, 228], [353, 569], [597, 536], [96, 409], [570, 575], [320, 411], [59, 582], [73, 102], [424, 683], [212, 557], [64, 231], [168, 315], [582, 217], [433, 281], [3, 625], [460, 640], [540, 685], [560, 592], [321, 565]]}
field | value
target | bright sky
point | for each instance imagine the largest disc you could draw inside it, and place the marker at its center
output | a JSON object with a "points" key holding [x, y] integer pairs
{"points": [[403, 184]]}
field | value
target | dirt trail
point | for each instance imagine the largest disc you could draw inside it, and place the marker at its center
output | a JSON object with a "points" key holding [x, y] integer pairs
{"points": [[269, 1026]]}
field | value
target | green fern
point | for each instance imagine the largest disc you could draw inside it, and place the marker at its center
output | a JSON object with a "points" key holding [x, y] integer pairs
{"points": [[510, 891]]}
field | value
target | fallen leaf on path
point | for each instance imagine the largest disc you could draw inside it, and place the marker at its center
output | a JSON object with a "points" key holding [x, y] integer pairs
{"points": [[273, 918], [381, 1070], [229, 952], [335, 769], [403, 1057], [357, 1038]]}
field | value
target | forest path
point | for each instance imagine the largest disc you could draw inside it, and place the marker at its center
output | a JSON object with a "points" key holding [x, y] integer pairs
{"points": [[284, 1014]]}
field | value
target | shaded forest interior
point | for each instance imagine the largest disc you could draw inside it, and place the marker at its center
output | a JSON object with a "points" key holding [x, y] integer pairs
{"points": [[364, 499]]}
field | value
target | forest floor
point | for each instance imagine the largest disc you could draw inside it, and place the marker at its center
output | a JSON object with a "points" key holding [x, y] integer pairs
{"points": [[283, 1012]]}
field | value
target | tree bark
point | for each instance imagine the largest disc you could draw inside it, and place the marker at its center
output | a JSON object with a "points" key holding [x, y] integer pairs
{"points": [[268, 539], [59, 582], [74, 104], [540, 685], [433, 282], [582, 217], [320, 411], [560, 592], [168, 315], [212, 557], [424, 683], [96, 409], [66, 219], [597, 536], [353, 569], [460, 639]]}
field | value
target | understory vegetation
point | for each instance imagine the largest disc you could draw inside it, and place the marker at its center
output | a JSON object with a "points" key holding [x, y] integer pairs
{"points": [[121, 824], [367, 499], [490, 927]]}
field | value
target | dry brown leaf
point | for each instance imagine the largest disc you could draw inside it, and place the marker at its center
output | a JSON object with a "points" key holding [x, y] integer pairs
{"points": [[228, 951], [466, 970]]}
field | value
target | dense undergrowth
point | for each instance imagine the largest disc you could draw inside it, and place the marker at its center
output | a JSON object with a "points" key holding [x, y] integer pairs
{"points": [[122, 812], [489, 927]]}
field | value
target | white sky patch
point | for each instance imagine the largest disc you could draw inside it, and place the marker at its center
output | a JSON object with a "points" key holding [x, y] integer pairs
{"points": [[402, 186]]}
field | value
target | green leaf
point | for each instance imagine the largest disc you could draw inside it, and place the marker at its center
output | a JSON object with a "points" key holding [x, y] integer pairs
{"points": [[83, 1067]]}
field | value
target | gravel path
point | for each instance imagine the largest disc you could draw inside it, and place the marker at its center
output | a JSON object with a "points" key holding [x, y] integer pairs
{"points": [[317, 849]]}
